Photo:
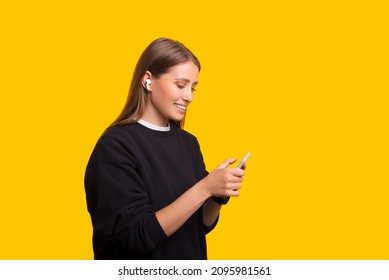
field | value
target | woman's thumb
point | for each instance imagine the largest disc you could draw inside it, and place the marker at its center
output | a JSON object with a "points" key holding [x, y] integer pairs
{"points": [[226, 163]]}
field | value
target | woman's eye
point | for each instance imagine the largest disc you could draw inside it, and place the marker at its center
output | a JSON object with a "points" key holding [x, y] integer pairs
{"points": [[193, 90], [180, 86]]}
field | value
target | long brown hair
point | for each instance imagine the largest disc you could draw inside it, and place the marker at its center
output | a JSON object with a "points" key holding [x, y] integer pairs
{"points": [[158, 58]]}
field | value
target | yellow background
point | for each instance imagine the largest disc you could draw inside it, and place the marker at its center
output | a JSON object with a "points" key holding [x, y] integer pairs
{"points": [[303, 85]]}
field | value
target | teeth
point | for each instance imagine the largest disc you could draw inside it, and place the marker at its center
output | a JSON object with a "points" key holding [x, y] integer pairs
{"points": [[180, 106]]}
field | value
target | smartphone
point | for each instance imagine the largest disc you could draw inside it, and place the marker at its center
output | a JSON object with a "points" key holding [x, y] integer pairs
{"points": [[242, 162]]}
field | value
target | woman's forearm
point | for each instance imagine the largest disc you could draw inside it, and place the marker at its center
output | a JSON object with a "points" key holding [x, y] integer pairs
{"points": [[211, 210], [173, 216]]}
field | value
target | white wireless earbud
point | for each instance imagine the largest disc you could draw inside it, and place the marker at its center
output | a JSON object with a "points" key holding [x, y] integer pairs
{"points": [[148, 82]]}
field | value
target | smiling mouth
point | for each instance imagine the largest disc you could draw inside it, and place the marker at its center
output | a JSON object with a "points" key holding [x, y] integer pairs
{"points": [[180, 106]]}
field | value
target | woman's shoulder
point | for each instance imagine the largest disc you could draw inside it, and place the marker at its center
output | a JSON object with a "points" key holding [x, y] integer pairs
{"points": [[116, 135], [189, 138], [184, 133], [115, 143], [120, 131]]}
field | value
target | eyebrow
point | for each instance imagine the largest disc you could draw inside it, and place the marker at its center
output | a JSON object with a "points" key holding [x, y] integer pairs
{"points": [[185, 80]]}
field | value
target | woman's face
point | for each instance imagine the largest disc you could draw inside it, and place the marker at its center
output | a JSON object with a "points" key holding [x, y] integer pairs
{"points": [[171, 93]]}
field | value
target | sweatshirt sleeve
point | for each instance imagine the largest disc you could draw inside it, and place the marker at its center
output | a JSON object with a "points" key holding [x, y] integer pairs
{"points": [[203, 174], [117, 198]]}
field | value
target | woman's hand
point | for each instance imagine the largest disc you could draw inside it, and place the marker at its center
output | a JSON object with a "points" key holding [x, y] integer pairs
{"points": [[224, 181], [221, 182]]}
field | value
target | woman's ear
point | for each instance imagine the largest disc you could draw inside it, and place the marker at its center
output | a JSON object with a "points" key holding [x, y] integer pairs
{"points": [[146, 81]]}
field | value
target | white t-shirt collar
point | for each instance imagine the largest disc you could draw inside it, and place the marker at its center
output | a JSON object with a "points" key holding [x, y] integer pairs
{"points": [[153, 126]]}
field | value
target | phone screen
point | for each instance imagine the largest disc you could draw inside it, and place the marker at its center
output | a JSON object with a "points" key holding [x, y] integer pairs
{"points": [[242, 162]]}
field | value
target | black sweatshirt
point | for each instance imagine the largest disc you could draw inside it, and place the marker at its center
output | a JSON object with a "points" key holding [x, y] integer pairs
{"points": [[133, 172]]}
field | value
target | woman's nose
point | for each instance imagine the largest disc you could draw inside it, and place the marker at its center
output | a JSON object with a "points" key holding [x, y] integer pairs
{"points": [[188, 96]]}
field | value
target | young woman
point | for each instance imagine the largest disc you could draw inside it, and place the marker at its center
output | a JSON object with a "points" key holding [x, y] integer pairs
{"points": [[148, 192]]}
